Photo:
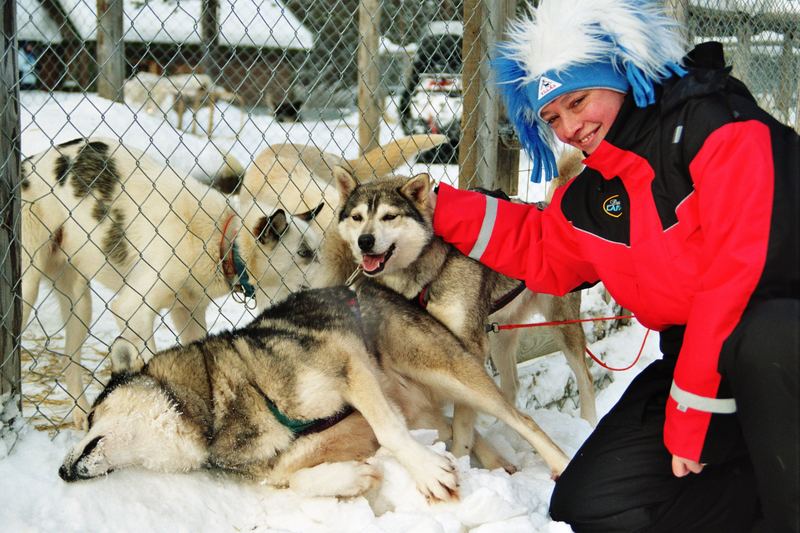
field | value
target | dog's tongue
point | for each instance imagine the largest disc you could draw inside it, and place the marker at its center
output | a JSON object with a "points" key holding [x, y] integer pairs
{"points": [[371, 262]]}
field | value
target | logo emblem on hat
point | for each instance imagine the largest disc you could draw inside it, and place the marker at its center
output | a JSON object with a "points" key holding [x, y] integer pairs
{"points": [[546, 85], [612, 206]]}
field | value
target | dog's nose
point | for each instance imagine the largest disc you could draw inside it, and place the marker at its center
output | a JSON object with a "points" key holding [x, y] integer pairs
{"points": [[366, 242], [65, 474]]}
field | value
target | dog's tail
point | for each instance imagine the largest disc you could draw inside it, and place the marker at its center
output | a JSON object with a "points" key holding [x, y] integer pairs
{"points": [[385, 159], [570, 164], [228, 178]]}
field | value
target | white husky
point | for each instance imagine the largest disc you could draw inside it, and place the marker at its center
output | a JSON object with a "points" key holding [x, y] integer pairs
{"points": [[98, 210]]}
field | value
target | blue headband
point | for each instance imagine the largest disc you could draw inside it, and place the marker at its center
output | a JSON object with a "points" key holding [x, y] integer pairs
{"points": [[552, 84]]}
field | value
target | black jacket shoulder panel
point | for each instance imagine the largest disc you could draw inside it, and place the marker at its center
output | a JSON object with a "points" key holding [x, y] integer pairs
{"points": [[699, 117], [693, 108], [598, 206]]}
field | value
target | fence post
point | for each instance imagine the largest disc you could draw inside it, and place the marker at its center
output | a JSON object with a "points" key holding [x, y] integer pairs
{"points": [[472, 52], [797, 109], [10, 301], [507, 160], [110, 50], [742, 61], [483, 159], [209, 31], [788, 63], [369, 97], [76, 57], [679, 10]]}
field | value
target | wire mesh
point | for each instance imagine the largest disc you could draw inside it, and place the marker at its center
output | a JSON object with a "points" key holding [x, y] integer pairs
{"points": [[244, 104]]}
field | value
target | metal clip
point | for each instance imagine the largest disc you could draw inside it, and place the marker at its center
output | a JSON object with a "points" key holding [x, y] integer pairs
{"points": [[494, 327], [239, 296], [354, 275]]}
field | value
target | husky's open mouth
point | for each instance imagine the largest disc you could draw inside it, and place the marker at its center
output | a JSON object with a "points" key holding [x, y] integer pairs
{"points": [[373, 264]]}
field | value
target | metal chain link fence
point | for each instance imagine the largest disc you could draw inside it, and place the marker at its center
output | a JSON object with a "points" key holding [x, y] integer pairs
{"points": [[226, 112]]}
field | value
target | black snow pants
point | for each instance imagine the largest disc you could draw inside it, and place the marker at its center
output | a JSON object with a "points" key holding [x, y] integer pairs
{"points": [[621, 478]]}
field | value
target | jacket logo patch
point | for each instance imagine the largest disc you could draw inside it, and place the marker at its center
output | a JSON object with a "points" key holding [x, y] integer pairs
{"points": [[546, 85], [612, 206]]}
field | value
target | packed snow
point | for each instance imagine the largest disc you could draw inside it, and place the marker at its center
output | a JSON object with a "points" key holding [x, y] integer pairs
{"points": [[36, 499], [242, 23]]}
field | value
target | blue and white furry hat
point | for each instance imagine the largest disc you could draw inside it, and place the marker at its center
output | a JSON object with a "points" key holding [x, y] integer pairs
{"points": [[564, 46]]}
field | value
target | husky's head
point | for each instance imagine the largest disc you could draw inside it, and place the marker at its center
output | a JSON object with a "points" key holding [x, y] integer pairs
{"points": [[387, 222], [134, 422], [279, 250]]}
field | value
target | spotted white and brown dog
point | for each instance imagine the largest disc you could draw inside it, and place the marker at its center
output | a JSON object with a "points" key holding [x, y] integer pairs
{"points": [[97, 210]]}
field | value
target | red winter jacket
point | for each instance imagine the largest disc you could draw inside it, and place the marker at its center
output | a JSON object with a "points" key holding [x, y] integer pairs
{"points": [[686, 212]]}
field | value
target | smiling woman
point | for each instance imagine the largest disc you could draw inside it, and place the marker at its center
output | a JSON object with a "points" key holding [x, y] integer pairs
{"points": [[582, 118], [672, 142]]}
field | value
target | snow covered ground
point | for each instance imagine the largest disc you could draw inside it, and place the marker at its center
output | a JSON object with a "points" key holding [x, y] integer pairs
{"points": [[35, 499]]}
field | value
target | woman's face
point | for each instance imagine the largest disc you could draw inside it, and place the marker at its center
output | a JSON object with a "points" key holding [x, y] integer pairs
{"points": [[582, 118]]}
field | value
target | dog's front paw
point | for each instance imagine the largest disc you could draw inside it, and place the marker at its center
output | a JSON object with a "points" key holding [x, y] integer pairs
{"points": [[499, 463], [365, 477], [343, 479], [435, 476]]}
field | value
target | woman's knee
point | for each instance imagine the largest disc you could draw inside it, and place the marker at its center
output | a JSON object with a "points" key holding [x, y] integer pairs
{"points": [[575, 493], [564, 501], [587, 510]]}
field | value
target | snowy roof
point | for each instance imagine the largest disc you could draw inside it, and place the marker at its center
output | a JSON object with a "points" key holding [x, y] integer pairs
{"points": [[753, 7], [444, 27], [243, 23], [389, 47]]}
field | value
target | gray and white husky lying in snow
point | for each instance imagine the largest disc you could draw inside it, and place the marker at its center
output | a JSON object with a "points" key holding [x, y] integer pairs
{"points": [[299, 398]]}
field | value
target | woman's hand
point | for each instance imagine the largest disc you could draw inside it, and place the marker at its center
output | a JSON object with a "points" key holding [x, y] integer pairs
{"points": [[681, 466], [432, 198]]}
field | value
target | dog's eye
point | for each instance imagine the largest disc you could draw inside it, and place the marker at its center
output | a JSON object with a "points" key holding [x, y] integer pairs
{"points": [[357, 218], [305, 251], [387, 218]]}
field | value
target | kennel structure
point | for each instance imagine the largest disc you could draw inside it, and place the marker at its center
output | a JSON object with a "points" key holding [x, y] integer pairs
{"points": [[258, 50]]}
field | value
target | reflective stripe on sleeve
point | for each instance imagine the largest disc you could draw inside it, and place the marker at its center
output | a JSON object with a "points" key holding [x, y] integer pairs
{"points": [[486, 229], [687, 399]]}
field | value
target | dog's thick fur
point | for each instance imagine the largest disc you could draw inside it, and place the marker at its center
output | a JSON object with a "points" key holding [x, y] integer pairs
{"points": [[298, 178], [385, 228], [97, 210], [310, 356]]}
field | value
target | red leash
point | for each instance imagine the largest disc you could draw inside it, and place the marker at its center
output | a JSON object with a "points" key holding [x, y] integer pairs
{"points": [[638, 355], [498, 327]]}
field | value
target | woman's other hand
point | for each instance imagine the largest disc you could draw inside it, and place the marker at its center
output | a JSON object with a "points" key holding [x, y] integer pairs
{"points": [[681, 466]]}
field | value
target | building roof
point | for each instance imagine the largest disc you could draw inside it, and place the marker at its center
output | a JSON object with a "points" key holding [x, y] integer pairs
{"points": [[243, 23], [750, 7]]}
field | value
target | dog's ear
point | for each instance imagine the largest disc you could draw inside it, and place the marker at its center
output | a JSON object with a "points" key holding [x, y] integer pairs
{"points": [[346, 183], [308, 216], [123, 355], [417, 189], [271, 229]]}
